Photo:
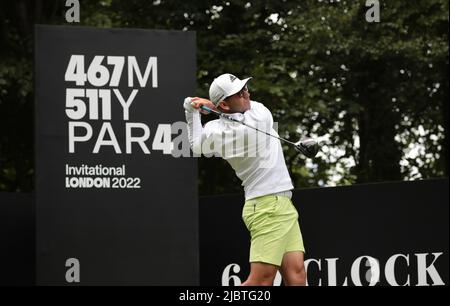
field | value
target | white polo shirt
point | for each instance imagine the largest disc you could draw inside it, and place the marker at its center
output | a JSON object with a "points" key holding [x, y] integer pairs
{"points": [[256, 158]]}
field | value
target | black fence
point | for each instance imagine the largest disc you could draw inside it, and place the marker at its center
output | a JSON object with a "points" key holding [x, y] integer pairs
{"points": [[387, 234]]}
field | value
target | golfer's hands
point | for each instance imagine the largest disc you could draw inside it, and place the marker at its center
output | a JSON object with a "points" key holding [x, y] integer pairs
{"points": [[191, 104], [197, 102]]}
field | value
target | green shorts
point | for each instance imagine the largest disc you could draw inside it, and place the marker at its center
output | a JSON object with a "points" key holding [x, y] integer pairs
{"points": [[274, 229]]}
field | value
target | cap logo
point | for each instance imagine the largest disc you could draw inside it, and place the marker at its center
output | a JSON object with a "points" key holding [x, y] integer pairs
{"points": [[232, 78]]}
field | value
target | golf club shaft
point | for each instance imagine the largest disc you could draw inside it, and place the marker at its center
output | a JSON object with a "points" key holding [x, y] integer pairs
{"points": [[234, 120]]}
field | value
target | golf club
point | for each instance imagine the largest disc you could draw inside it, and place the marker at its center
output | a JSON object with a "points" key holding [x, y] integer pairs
{"points": [[307, 146]]}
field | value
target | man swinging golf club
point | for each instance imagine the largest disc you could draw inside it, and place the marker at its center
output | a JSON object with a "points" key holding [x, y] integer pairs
{"points": [[268, 213]]}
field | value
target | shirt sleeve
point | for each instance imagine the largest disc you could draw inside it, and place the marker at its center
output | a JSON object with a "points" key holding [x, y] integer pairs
{"points": [[263, 114], [199, 140], [268, 116], [195, 131]]}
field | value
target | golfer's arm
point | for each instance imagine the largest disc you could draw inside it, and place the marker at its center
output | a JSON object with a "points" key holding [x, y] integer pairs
{"points": [[195, 131]]}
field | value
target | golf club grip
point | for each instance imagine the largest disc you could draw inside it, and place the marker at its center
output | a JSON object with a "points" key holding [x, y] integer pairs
{"points": [[206, 108]]}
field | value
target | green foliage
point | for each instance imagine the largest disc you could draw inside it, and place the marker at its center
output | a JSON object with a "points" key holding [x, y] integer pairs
{"points": [[378, 92]]}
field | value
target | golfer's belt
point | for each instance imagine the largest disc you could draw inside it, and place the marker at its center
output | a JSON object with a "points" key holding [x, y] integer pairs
{"points": [[287, 194]]}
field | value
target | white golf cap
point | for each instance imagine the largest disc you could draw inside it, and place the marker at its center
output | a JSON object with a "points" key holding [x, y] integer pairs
{"points": [[224, 86]]}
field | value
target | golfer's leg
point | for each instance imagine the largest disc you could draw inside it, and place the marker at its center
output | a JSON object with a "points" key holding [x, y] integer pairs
{"points": [[261, 274], [293, 269]]}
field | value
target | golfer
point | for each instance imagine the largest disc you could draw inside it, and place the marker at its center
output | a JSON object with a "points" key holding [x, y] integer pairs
{"points": [[268, 213]]}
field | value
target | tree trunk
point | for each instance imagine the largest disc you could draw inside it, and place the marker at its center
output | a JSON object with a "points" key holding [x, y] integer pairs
{"points": [[379, 155]]}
